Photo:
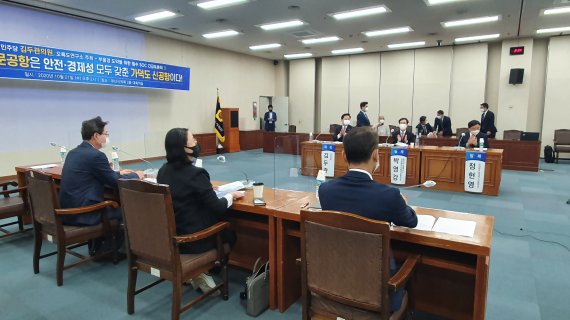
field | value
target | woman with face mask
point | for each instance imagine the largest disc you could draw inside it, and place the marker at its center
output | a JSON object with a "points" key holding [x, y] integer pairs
{"points": [[196, 205], [383, 129], [402, 134]]}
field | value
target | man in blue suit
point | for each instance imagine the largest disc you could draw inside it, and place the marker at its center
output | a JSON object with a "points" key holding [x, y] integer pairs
{"points": [[362, 118], [86, 172], [475, 134], [270, 118], [356, 192], [442, 125]]}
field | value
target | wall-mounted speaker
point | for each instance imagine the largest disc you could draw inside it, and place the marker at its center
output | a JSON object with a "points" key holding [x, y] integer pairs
{"points": [[516, 76]]}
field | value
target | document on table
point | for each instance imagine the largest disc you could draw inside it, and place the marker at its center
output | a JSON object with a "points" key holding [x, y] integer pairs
{"points": [[457, 227], [425, 222], [229, 187], [44, 166]]}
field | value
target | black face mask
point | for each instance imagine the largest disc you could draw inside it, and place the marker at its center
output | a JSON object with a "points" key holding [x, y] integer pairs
{"points": [[195, 151]]}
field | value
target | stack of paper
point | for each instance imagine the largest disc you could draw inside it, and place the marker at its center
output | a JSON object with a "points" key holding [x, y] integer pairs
{"points": [[457, 227], [425, 222], [229, 187]]}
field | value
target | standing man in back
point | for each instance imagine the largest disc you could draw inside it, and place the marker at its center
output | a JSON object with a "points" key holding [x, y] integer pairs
{"points": [[362, 118], [442, 125], [487, 121], [356, 192], [269, 118]]}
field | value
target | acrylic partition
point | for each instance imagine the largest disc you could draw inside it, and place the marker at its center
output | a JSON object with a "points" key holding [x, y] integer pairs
{"points": [[287, 165]]}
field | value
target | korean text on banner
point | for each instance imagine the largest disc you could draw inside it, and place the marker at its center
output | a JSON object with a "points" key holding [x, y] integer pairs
{"points": [[398, 162], [475, 171], [327, 159]]}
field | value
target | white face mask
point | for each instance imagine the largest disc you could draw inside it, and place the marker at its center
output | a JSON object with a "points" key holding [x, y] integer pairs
{"points": [[439, 117], [104, 142], [366, 109], [475, 132], [403, 127], [346, 122], [482, 109], [381, 121]]}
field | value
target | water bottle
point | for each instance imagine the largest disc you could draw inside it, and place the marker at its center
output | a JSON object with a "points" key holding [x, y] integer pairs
{"points": [[418, 139], [115, 161], [310, 136], [320, 180], [481, 144], [62, 152]]}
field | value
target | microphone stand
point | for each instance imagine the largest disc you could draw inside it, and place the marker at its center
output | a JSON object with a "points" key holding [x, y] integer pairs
{"points": [[459, 142], [115, 148], [389, 136], [247, 184]]}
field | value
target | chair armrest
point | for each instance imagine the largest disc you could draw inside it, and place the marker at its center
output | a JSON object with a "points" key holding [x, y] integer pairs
{"points": [[202, 234], [87, 209], [401, 277], [7, 192]]}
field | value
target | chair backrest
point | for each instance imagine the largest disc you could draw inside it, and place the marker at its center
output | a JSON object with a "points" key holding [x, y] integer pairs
{"points": [[149, 221], [332, 128], [512, 134], [292, 128], [562, 136], [459, 131], [393, 128], [345, 258], [42, 198]]}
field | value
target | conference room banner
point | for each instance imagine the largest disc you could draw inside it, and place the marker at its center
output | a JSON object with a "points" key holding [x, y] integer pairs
{"points": [[31, 62], [327, 159], [475, 171], [398, 163]]}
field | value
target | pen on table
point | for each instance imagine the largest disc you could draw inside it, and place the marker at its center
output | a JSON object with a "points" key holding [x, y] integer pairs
{"points": [[304, 205]]}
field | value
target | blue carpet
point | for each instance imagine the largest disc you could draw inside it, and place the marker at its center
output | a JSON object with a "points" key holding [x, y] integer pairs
{"points": [[530, 254]]}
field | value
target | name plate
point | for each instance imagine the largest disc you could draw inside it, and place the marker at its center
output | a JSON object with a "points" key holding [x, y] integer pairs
{"points": [[327, 159], [475, 171], [398, 163]]}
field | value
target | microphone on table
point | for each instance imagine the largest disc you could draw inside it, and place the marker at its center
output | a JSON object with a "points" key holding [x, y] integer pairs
{"points": [[427, 184], [115, 148], [149, 173], [248, 183], [459, 142]]}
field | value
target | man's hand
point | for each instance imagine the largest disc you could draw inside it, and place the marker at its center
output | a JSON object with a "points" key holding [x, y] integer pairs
{"points": [[126, 171], [140, 174], [488, 133], [343, 131], [237, 194], [472, 140]]}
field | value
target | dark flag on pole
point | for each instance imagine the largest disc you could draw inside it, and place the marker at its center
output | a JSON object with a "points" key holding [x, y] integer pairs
{"points": [[219, 124]]}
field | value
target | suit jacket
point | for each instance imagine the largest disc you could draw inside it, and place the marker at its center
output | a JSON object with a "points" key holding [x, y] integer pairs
{"points": [[362, 120], [270, 123], [408, 137], [196, 206], [85, 174], [356, 193], [488, 123], [463, 142], [424, 130], [443, 125], [337, 132]]}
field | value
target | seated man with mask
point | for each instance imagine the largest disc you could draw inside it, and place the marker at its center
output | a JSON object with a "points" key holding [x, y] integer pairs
{"points": [[86, 172], [472, 141], [343, 129], [356, 192], [403, 135]]}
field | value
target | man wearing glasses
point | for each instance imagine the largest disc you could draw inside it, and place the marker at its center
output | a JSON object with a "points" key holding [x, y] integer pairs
{"points": [[86, 172]]}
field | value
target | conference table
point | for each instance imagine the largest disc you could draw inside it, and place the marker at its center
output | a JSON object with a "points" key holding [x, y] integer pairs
{"points": [[444, 165], [450, 280]]}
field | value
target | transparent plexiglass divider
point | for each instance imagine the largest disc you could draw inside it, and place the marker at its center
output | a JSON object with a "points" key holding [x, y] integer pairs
{"points": [[287, 163]]}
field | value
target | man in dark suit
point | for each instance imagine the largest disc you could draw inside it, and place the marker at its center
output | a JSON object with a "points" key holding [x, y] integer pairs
{"points": [[488, 121], [86, 172], [403, 135], [475, 134], [343, 129], [362, 118], [442, 125], [356, 192], [270, 118], [424, 127]]}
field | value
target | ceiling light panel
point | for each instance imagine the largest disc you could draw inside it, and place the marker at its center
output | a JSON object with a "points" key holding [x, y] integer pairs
{"points": [[553, 30], [436, 2], [265, 46], [321, 40], [466, 22], [345, 51], [385, 32], [220, 34], [478, 38], [215, 4], [406, 45], [557, 10], [282, 25], [359, 12], [298, 55], [163, 14]]}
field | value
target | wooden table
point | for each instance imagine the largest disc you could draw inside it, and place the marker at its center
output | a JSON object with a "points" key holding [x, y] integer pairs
{"points": [[311, 162], [444, 165], [450, 281]]}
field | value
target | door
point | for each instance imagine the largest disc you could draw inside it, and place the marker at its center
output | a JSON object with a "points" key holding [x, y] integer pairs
{"points": [[281, 107]]}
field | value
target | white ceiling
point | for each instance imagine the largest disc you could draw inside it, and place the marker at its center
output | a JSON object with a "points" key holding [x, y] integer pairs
{"points": [[425, 21]]}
